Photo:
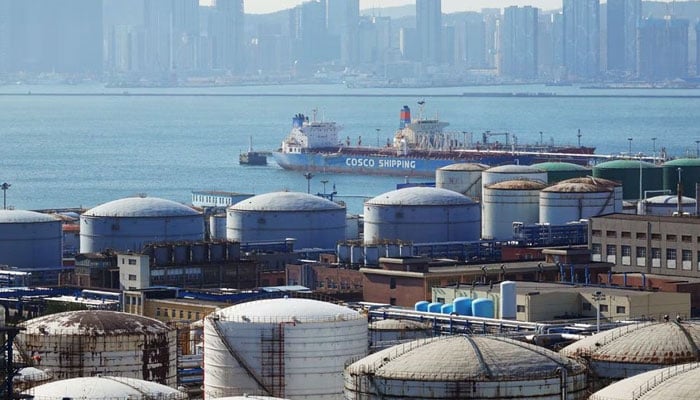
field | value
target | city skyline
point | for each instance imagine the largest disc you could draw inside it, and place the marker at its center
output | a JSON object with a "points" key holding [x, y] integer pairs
{"points": [[448, 6]]}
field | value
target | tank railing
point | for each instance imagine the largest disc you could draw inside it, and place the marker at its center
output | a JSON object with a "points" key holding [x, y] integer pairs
{"points": [[660, 378], [611, 336], [290, 319]]}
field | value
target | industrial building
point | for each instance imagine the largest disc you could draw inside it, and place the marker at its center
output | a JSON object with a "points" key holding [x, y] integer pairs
{"points": [[326, 278], [421, 214], [314, 222], [86, 343], [131, 223], [404, 281], [629, 350], [540, 301], [458, 367], [287, 347]]}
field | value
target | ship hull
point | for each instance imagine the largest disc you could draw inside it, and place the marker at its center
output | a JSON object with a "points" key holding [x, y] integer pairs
{"points": [[362, 164]]}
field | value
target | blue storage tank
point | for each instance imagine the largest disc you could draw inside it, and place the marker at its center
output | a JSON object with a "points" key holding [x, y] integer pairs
{"points": [[435, 307], [421, 305], [482, 308], [447, 309], [462, 306]]}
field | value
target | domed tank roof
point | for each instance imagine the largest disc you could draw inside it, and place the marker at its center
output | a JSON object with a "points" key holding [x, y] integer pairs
{"points": [[624, 164], [574, 187], [683, 162], [287, 310], [141, 207], [590, 180], [94, 322], [23, 217], [518, 184], [464, 358], [398, 325], [420, 196], [464, 167], [559, 166], [104, 387], [669, 199], [286, 201], [515, 169], [679, 382], [650, 343], [249, 397]]}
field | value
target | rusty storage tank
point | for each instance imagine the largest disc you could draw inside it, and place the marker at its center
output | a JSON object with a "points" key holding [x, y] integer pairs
{"points": [[629, 350], [463, 178], [461, 367], [569, 201], [558, 171], [85, 343], [385, 333], [421, 215], [679, 382], [287, 347], [104, 388], [506, 202]]}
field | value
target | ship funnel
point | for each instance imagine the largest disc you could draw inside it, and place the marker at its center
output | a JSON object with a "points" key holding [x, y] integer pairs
{"points": [[405, 117], [298, 121]]}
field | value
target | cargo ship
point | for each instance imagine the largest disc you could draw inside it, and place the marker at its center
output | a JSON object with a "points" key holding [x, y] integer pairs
{"points": [[419, 147]]}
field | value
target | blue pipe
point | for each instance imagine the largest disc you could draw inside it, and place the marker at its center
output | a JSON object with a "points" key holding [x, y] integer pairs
{"points": [[562, 278], [573, 276]]}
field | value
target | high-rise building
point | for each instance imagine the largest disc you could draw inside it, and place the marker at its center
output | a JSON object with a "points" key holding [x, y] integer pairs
{"points": [[408, 44], [622, 44], [582, 38], [429, 30], [229, 36], [697, 48], [470, 41], [5, 38], [158, 24], [663, 49], [492, 19], [310, 41], [518, 49], [342, 20]]}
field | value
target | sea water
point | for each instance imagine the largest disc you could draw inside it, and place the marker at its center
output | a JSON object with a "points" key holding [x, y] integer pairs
{"points": [[83, 145]]}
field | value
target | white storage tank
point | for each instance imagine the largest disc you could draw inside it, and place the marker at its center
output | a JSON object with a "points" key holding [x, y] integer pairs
{"points": [[506, 202], [104, 388], [463, 178], [666, 205], [286, 347], [390, 332], [217, 226], [590, 180], [461, 367], [85, 343], [30, 239], [571, 201], [508, 300], [313, 221], [512, 172], [629, 350], [131, 223], [680, 382], [421, 215]]}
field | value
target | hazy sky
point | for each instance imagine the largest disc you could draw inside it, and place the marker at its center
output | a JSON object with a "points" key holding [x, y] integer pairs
{"points": [[448, 6]]}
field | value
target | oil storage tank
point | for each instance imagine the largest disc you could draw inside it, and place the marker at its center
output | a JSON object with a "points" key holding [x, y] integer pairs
{"points": [[461, 367], [690, 175], [312, 220], [421, 215], [464, 178], [629, 350], [84, 343], [571, 201], [506, 202], [390, 332], [512, 172], [288, 347], [680, 382], [558, 171], [627, 172], [131, 223], [30, 239], [667, 205], [104, 387]]}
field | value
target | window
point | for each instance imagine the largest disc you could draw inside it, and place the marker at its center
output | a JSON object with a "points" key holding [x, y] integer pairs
{"points": [[641, 252], [172, 313], [626, 255], [196, 315], [656, 257], [157, 311], [596, 252], [595, 232], [189, 315], [686, 239], [671, 238], [611, 234], [392, 301], [132, 277], [655, 236], [603, 308], [641, 235], [620, 309], [625, 235], [520, 308], [671, 258], [182, 314], [611, 252], [687, 259], [392, 283], [587, 306], [132, 261]]}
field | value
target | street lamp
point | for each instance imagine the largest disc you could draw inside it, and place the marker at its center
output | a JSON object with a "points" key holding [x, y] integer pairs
{"points": [[597, 297], [629, 139], [4, 188], [324, 186], [308, 177], [697, 148], [378, 129], [653, 141]]}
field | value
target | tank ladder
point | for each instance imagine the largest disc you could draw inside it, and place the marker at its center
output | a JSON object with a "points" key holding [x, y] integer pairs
{"points": [[272, 359]]}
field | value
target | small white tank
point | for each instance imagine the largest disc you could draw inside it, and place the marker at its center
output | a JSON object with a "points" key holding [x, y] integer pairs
{"points": [[508, 300], [512, 172], [463, 178], [506, 202], [667, 205]]}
